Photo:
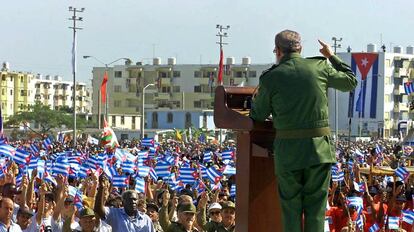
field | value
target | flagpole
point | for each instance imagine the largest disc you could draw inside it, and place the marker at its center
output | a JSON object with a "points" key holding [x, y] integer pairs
{"points": [[336, 45], [74, 28]]}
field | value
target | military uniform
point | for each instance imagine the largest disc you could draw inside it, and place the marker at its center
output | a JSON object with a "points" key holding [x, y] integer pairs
{"points": [[212, 226], [294, 92]]}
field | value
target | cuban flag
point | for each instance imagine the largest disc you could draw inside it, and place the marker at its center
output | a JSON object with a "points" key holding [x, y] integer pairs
{"points": [[233, 190], [61, 167], [163, 169], [374, 228], [229, 170], [21, 157], [227, 155], [34, 148], [19, 179], [214, 175], [7, 150], [408, 87], [402, 173], [365, 66], [153, 174], [32, 163], [47, 143], [77, 200], [48, 178], [120, 181], [360, 222], [355, 201], [199, 186], [207, 156], [147, 142], [143, 171], [128, 167], [393, 223], [84, 171], [203, 171], [408, 216], [188, 175], [172, 160], [139, 184], [40, 168], [378, 149], [338, 176], [110, 170]]}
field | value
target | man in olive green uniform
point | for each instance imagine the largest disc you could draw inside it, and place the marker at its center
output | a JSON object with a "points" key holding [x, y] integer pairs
{"points": [[295, 93]]}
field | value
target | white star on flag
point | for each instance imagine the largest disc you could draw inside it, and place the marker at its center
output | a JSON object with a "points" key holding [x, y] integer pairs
{"points": [[364, 62]]}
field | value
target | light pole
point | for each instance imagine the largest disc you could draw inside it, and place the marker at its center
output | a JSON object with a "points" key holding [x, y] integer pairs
{"points": [[335, 46], [143, 111], [106, 92], [74, 18]]}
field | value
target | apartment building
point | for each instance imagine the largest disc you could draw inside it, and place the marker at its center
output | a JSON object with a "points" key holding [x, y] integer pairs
{"points": [[169, 86], [379, 106]]}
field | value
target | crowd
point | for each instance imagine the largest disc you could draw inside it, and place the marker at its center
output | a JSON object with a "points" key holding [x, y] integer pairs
{"points": [[136, 186], [177, 186]]}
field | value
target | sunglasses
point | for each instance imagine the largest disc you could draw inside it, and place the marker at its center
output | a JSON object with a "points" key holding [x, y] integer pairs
{"points": [[214, 212]]}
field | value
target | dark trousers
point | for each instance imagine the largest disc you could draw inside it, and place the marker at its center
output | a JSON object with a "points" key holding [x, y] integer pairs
{"points": [[303, 195]]}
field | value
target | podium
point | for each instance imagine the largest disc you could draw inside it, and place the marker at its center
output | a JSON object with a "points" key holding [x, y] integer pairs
{"points": [[257, 207]]}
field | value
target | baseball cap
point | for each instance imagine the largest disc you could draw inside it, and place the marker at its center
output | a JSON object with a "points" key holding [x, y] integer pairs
{"points": [[86, 212], [228, 204], [186, 208], [214, 205]]}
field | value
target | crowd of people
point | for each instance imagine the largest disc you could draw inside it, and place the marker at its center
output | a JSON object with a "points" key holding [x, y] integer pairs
{"points": [[176, 186], [140, 185]]}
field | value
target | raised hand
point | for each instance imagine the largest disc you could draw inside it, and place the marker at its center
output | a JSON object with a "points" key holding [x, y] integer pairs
{"points": [[325, 50]]}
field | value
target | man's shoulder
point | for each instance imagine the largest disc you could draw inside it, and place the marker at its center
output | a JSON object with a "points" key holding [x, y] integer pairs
{"points": [[267, 71], [177, 227]]}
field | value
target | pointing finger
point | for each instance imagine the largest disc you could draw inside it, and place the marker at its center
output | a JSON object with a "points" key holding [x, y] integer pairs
{"points": [[321, 42]]}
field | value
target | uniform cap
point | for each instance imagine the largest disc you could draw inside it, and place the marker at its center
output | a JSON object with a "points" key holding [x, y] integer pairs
{"points": [[186, 208]]}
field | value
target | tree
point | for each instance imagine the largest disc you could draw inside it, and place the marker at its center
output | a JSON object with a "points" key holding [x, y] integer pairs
{"points": [[46, 118]]}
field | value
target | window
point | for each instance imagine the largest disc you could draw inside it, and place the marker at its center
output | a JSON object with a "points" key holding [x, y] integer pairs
{"points": [[117, 103], [188, 120], [113, 120], [176, 89], [117, 88], [21, 79], [197, 89], [3, 91], [3, 77], [118, 74], [197, 74], [122, 120], [128, 82], [23, 93], [238, 74], [176, 74], [154, 120], [11, 92], [252, 74], [162, 74], [165, 89], [204, 120], [37, 86], [388, 62], [398, 63], [197, 104], [170, 117]]}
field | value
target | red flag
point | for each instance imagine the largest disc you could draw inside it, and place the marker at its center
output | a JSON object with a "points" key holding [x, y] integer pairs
{"points": [[220, 73], [103, 87]]}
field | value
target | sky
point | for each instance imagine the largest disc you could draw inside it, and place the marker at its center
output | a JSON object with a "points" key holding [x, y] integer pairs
{"points": [[35, 36]]}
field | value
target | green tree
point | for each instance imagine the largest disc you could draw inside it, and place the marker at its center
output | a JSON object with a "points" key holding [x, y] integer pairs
{"points": [[46, 118]]}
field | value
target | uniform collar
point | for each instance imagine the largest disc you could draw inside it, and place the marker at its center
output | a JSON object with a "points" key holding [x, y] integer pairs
{"points": [[289, 56]]}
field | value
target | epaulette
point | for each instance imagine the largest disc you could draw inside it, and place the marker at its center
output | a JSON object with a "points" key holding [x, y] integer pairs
{"points": [[317, 57], [269, 69]]}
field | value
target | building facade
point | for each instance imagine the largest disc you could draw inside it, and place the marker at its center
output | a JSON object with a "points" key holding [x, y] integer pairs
{"points": [[182, 87], [19, 90], [379, 106]]}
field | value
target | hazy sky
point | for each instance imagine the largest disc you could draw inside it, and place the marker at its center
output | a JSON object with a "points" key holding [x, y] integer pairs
{"points": [[35, 36]]}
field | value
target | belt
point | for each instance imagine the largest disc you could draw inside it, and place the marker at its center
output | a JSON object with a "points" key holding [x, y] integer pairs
{"points": [[302, 133]]}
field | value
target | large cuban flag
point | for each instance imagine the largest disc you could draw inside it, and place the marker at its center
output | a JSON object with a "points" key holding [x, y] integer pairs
{"points": [[363, 100]]}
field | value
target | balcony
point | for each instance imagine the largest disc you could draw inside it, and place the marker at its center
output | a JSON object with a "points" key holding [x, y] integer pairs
{"points": [[403, 107], [162, 96], [203, 81], [166, 81]]}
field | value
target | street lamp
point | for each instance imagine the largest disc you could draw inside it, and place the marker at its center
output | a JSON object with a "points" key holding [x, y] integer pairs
{"points": [[143, 110], [106, 94]]}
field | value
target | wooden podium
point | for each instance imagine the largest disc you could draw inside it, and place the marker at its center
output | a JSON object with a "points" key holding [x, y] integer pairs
{"points": [[257, 207]]}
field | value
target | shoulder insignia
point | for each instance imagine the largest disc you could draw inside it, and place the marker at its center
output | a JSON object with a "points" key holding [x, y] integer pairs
{"points": [[269, 69], [317, 58]]}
